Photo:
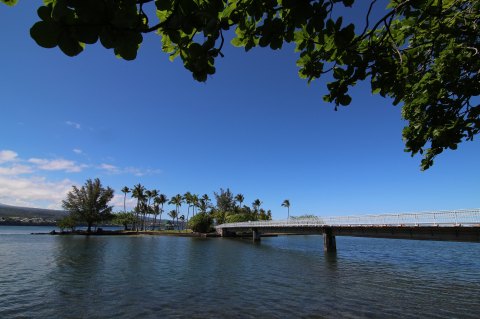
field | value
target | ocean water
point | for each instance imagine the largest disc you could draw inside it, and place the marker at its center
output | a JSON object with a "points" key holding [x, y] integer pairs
{"points": [[44, 276]]}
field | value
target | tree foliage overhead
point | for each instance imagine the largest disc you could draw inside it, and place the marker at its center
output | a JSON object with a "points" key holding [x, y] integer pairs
{"points": [[423, 54]]}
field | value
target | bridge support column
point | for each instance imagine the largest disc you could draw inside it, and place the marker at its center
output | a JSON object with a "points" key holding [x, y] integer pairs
{"points": [[329, 244], [225, 233], [256, 234]]}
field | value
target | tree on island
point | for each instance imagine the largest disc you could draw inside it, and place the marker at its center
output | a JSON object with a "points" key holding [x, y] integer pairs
{"points": [[124, 219], [286, 203], [188, 197], [201, 223], [226, 210], [204, 203], [195, 203], [138, 192], [176, 200], [422, 54], [68, 221], [89, 203], [239, 198], [125, 191], [173, 214], [161, 199]]}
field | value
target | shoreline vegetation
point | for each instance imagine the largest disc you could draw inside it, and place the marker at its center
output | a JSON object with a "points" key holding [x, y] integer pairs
{"points": [[88, 206]]}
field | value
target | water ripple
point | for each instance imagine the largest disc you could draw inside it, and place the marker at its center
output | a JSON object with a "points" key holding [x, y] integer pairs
{"points": [[284, 277]]}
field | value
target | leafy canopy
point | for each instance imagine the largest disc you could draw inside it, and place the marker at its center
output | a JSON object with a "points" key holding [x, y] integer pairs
{"points": [[423, 54], [89, 203]]}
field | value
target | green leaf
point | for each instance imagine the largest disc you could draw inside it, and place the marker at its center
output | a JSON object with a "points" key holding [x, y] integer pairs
{"points": [[127, 48], [69, 45], [164, 5], [237, 42], [45, 33], [87, 34], [344, 100], [60, 10], [10, 3], [107, 38], [45, 13]]}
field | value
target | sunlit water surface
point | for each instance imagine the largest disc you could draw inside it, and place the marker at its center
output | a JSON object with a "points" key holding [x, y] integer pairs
{"points": [[44, 276]]}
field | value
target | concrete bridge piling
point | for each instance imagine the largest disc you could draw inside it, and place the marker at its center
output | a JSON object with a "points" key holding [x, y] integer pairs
{"points": [[329, 243], [256, 234]]}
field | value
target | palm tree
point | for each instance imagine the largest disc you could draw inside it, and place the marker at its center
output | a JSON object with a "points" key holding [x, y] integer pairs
{"points": [[188, 199], [256, 206], [239, 198], [173, 214], [125, 190], [148, 197], [286, 203], [162, 199], [194, 203], [203, 205], [153, 193], [138, 192], [176, 200], [206, 198], [156, 211]]}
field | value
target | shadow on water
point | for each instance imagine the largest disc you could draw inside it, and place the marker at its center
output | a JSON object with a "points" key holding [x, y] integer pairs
{"points": [[77, 275], [331, 260]]}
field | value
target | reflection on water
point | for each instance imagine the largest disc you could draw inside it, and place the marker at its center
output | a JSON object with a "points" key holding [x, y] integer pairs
{"points": [[282, 277]]}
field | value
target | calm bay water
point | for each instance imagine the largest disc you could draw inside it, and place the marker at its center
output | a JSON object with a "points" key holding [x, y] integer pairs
{"points": [[281, 277]]}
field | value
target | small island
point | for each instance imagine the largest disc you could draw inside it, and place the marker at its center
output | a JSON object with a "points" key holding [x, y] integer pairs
{"points": [[87, 212]]}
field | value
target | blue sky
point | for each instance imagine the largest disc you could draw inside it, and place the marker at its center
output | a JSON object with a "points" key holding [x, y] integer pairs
{"points": [[254, 127]]}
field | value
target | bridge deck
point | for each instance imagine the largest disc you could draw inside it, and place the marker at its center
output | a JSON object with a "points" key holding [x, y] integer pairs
{"points": [[458, 225], [460, 218]]}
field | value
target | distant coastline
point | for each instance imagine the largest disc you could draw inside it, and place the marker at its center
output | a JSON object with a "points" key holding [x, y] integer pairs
{"points": [[29, 223], [29, 216]]}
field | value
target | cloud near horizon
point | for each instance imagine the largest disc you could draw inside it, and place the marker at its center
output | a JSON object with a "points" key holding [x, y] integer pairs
{"points": [[27, 182], [117, 202], [33, 191]]}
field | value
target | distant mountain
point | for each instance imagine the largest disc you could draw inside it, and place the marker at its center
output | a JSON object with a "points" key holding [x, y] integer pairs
{"points": [[29, 212]]}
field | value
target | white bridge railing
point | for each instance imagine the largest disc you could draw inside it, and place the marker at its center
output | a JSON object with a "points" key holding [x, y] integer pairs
{"points": [[464, 217]]}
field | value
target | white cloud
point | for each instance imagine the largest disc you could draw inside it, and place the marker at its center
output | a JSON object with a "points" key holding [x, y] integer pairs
{"points": [[33, 191], [141, 172], [26, 182], [117, 202], [15, 170], [73, 124], [112, 169], [7, 156], [109, 168], [57, 165]]}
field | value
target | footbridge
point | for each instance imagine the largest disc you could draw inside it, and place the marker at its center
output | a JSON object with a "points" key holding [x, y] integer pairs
{"points": [[453, 225]]}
